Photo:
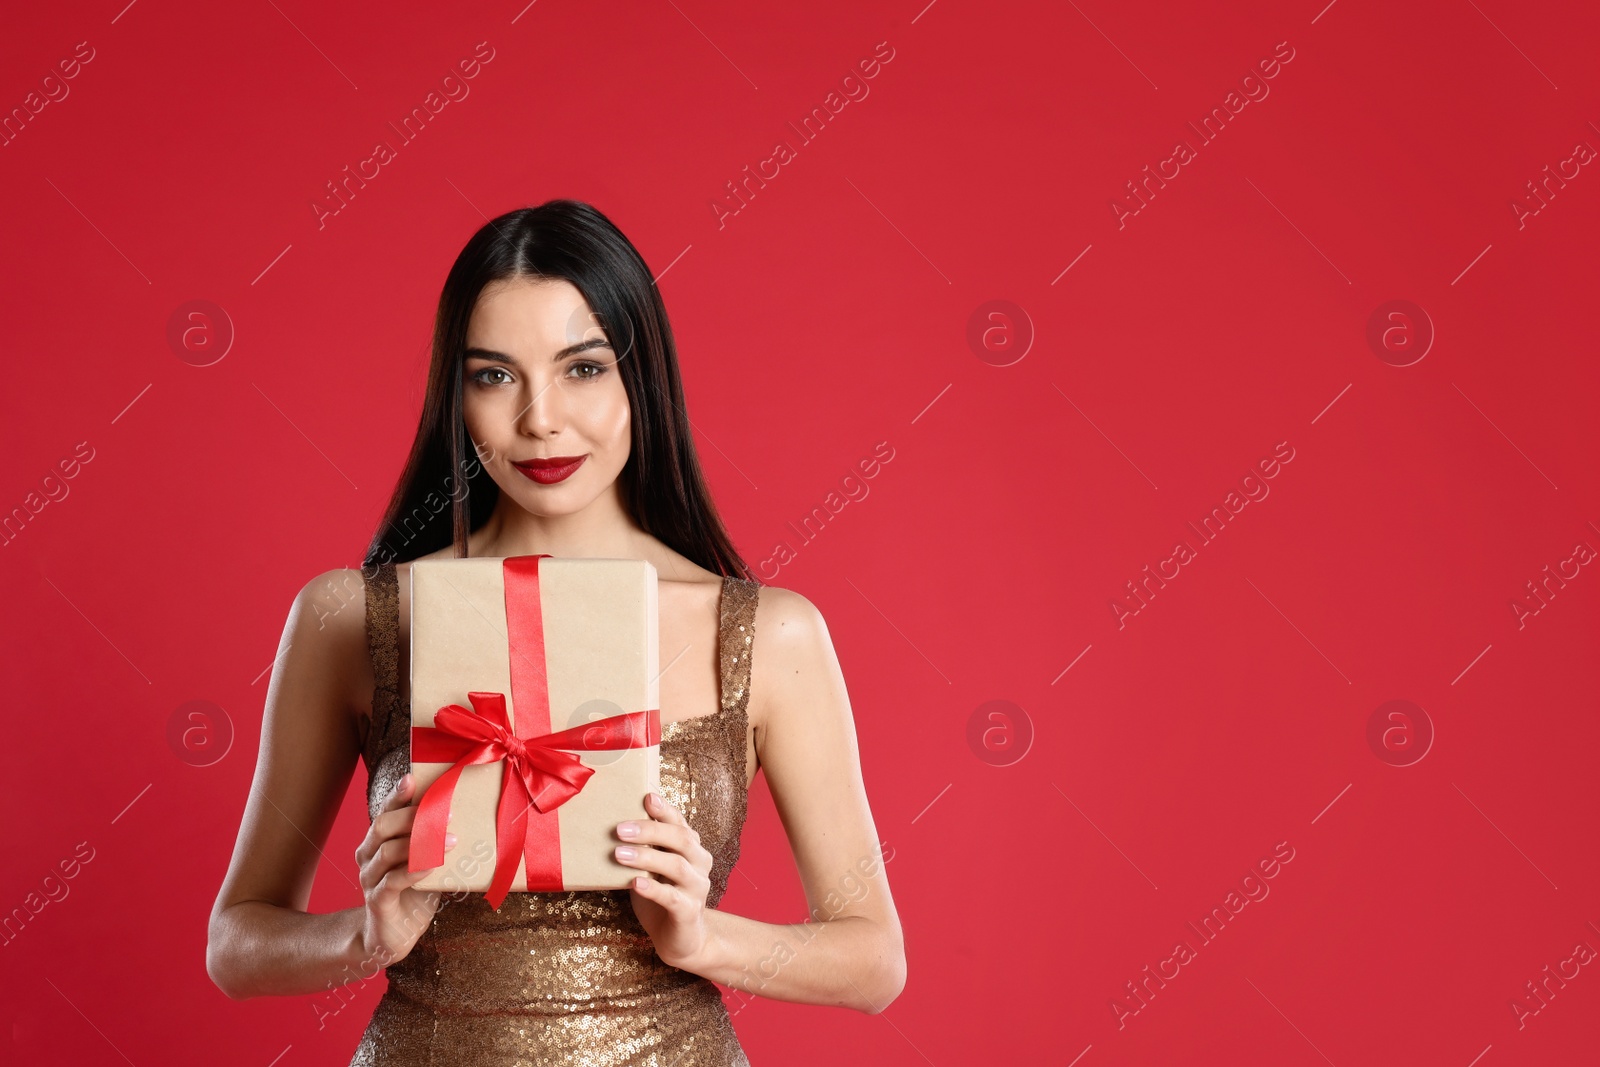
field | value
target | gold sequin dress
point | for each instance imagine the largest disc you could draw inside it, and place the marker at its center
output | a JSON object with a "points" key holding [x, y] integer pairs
{"points": [[572, 977]]}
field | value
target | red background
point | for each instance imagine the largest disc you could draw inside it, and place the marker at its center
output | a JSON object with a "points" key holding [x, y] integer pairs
{"points": [[830, 314]]}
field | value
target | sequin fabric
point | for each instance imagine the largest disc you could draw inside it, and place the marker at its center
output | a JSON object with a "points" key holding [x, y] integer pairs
{"points": [[569, 978]]}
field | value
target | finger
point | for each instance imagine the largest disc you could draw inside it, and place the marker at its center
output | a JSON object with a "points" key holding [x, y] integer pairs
{"points": [[657, 807], [393, 853], [668, 896], [393, 823], [399, 879], [380, 862], [669, 865], [401, 793], [369, 843], [679, 838]]}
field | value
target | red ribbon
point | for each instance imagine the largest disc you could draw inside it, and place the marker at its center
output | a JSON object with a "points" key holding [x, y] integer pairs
{"points": [[538, 774]]}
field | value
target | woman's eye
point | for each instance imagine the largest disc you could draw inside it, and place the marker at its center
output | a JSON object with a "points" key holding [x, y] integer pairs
{"points": [[479, 376], [592, 370]]}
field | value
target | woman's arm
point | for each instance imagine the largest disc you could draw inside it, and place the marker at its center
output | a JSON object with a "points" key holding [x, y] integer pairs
{"points": [[850, 953], [261, 941]]}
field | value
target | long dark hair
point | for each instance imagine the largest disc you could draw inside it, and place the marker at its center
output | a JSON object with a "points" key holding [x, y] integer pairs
{"points": [[444, 492]]}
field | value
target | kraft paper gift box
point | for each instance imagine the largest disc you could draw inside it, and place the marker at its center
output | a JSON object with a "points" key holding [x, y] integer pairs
{"points": [[536, 723]]}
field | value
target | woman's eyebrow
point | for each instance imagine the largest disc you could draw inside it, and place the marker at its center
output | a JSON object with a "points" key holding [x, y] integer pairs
{"points": [[582, 346], [570, 350]]}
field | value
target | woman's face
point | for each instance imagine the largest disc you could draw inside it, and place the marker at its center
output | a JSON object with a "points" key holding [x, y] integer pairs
{"points": [[541, 383]]}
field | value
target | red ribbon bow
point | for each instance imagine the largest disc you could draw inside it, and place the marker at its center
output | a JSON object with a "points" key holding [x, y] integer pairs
{"points": [[537, 774]]}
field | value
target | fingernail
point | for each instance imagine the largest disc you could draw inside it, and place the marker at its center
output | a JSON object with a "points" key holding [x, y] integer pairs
{"points": [[405, 780], [627, 829], [449, 840], [625, 853], [651, 798]]}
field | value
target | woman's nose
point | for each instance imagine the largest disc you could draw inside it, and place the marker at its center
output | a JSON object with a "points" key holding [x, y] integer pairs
{"points": [[544, 411]]}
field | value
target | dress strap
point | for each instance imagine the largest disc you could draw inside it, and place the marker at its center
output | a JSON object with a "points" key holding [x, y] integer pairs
{"points": [[736, 641], [737, 631], [383, 646]]}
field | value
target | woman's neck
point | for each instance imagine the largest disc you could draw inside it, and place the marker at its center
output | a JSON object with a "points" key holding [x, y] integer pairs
{"points": [[603, 530]]}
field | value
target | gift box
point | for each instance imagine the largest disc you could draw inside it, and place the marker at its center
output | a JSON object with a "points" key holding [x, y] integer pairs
{"points": [[535, 719]]}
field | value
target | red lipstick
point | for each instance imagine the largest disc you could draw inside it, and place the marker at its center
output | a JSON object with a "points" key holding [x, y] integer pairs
{"points": [[550, 471]]}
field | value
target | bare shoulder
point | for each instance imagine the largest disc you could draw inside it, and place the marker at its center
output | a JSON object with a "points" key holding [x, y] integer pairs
{"points": [[333, 602], [786, 619], [327, 627], [792, 644]]}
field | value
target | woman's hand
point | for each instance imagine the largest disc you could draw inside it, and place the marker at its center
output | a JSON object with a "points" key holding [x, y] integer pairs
{"points": [[396, 913], [671, 907]]}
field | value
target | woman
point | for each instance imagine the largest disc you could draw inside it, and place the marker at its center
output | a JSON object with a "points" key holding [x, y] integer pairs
{"points": [[553, 359]]}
